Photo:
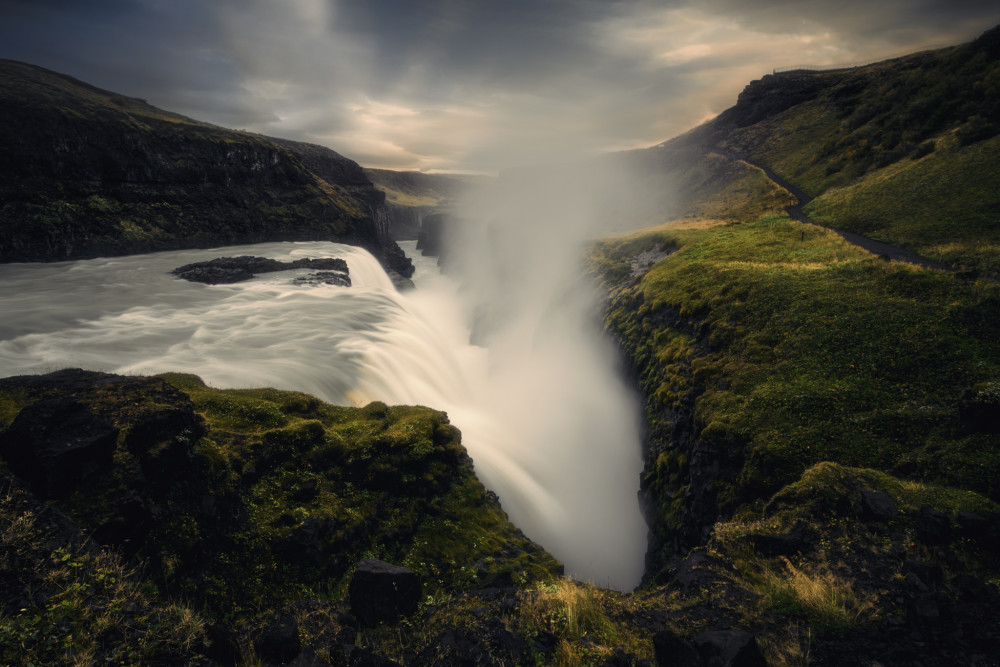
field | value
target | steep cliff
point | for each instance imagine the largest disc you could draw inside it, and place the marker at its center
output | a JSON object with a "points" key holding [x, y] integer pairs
{"points": [[87, 172]]}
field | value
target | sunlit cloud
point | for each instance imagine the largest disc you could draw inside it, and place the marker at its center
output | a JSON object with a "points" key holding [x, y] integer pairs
{"points": [[453, 85]]}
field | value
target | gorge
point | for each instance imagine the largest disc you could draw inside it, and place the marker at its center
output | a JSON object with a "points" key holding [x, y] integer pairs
{"points": [[815, 429], [563, 456]]}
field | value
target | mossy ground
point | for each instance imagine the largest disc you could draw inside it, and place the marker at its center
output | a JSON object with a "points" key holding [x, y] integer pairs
{"points": [[278, 499]]}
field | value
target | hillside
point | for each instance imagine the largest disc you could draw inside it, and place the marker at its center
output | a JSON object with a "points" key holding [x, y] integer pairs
{"points": [[902, 151], [87, 172], [801, 391], [823, 429]]}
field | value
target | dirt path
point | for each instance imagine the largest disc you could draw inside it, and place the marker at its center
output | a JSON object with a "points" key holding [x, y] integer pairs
{"points": [[795, 212]]}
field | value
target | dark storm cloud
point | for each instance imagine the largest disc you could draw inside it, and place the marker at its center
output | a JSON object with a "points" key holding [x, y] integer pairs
{"points": [[458, 84]]}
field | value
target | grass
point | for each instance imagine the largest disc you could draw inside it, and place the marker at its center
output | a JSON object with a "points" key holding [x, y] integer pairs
{"points": [[796, 348], [827, 600], [943, 206], [270, 505], [83, 605]]}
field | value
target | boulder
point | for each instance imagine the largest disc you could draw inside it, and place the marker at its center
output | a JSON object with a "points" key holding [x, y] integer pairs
{"points": [[227, 270], [729, 648], [55, 443], [381, 592]]}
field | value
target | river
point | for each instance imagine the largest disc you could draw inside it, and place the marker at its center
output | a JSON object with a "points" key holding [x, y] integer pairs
{"points": [[562, 456]]}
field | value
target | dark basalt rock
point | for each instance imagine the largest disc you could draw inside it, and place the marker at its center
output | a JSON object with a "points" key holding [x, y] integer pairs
{"points": [[222, 644], [362, 657], [489, 645], [877, 506], [673, 651], [729, 648], [324, 278], [932, 527], [779, 545], [56, 442], [433, 231], [772, 94], [228, 270], [308, 658], [280, 640], [979, 408], [928, 572], [381, 592]]}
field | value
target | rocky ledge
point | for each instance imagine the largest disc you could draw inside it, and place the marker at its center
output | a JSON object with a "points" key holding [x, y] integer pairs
{"points": [[226, 270]]}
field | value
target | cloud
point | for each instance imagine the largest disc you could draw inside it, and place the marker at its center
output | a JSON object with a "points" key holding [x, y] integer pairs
{"points": [[461, 85]]}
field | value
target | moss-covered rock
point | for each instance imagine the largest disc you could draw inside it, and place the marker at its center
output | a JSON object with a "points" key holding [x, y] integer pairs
{"points": [[248, 500]]}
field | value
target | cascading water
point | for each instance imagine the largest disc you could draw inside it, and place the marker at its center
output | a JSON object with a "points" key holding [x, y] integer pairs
{"points": [[559, 459]]}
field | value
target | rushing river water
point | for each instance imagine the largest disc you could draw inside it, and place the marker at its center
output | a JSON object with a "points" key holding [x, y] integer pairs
{"points": [[563, 457]]}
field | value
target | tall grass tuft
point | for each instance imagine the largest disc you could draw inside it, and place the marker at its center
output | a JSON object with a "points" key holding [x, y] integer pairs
{"points": [[571, 611], [828, 600]]}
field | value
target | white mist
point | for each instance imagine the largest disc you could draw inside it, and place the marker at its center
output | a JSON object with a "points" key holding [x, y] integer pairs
{"points": [[548, 425]]}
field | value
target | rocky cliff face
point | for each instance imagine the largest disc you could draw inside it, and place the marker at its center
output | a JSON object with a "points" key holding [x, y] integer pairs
{"points": [[86, 172]]}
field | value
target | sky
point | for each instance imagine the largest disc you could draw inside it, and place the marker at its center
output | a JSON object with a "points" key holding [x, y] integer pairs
{"points": [[464, 85]]}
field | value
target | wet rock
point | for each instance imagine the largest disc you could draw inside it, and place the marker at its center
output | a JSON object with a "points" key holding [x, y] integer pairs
{"points": [[324, 278], [228, 270], [673, 651], [54, 444], [729, 648], [280, 640], [399, 281], [381, 592], [434, 229]]}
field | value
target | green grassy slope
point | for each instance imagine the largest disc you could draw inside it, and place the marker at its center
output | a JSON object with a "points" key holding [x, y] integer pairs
{"points": [[774, 359], [790, 378], [901, 151], [86, 172]]}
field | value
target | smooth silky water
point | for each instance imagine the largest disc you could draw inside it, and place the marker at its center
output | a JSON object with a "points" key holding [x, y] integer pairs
{"points": [[562, 455]]}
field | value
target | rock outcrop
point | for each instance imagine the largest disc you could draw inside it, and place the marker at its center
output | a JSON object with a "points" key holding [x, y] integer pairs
{"points": [[227, 270], [87, 172], [381, 592]]}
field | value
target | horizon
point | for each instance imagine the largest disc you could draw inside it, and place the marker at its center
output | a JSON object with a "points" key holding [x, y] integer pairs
{"points": [[452, 87]]}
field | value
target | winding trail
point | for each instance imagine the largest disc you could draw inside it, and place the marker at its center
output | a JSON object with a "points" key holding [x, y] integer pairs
{"points": [[796, 212]]}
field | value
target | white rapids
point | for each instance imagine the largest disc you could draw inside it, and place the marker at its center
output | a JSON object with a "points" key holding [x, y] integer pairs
{"points": [[552, 452]]}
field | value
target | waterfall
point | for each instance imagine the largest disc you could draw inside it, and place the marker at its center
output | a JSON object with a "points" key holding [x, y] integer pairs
{"points": [[349, 345]]}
